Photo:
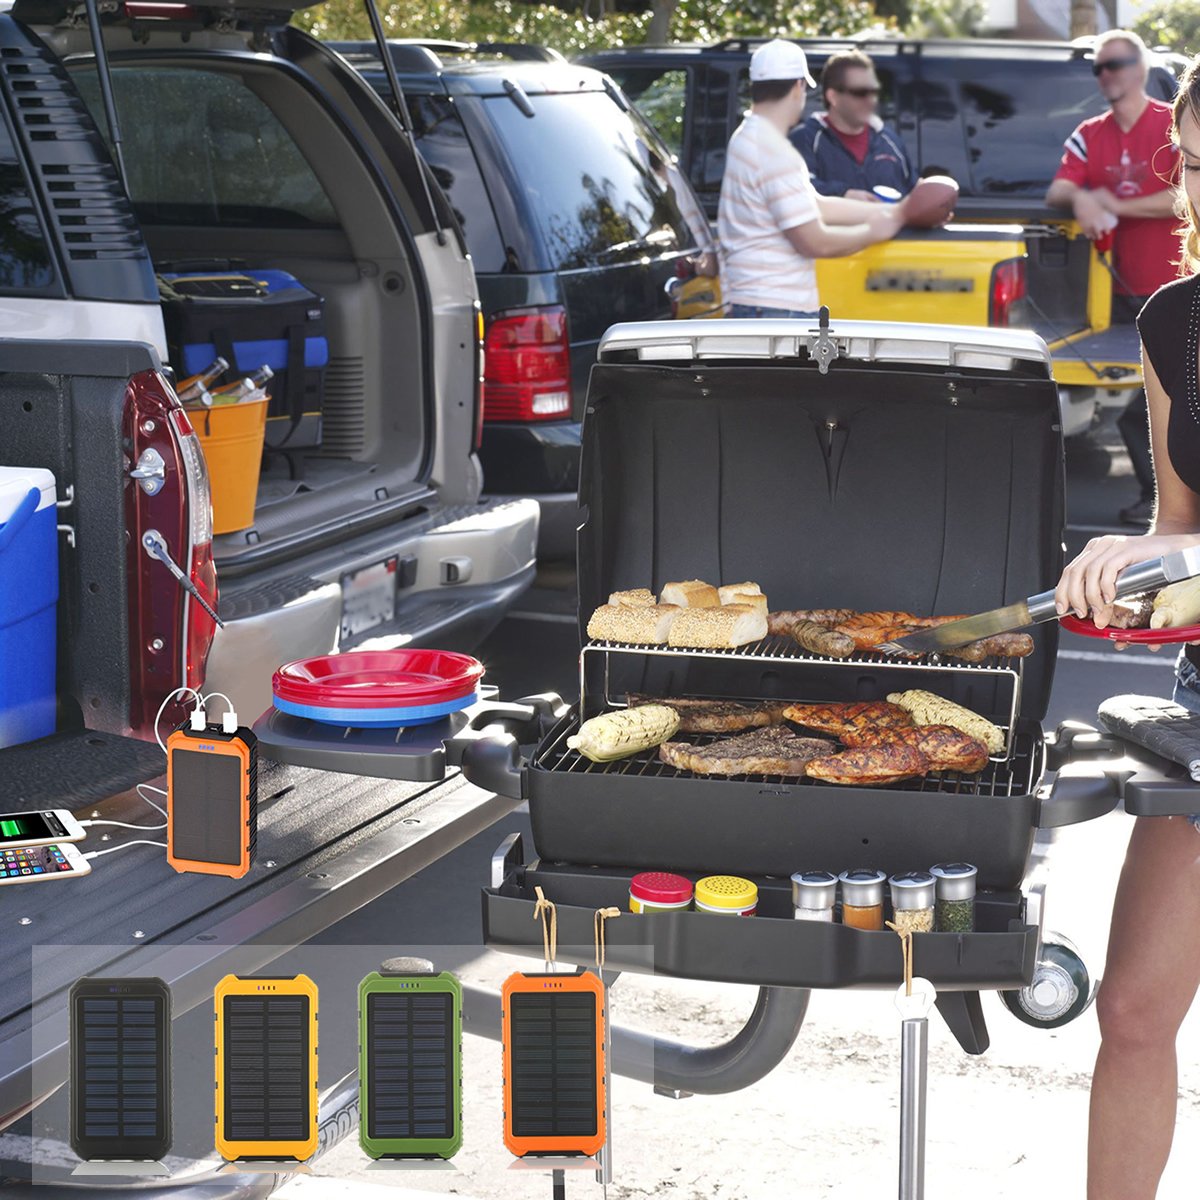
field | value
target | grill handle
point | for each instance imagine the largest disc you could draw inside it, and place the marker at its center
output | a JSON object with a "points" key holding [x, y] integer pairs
{"points": [[488, 749]]}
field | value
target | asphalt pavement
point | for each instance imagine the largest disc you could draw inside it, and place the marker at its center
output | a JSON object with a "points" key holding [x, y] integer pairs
{"points": [[1009, 1124]]}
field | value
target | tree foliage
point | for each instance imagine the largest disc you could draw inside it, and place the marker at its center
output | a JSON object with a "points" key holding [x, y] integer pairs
{"points": [[1171, 24], [571, 30]]}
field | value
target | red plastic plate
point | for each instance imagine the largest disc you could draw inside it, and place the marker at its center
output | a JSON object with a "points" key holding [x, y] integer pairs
{"points": [[1146, 637], [378, 679]]}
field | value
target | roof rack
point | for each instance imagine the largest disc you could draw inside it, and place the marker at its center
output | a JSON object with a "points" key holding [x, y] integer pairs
{"points": [[426, 54]]}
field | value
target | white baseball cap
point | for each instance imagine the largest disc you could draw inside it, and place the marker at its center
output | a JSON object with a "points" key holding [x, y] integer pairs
{"points": [[780, 60]]}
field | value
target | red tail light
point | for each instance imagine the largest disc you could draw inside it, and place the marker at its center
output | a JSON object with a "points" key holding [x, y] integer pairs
{"points": [[527, 366], [1006, 294], [169, 633]]}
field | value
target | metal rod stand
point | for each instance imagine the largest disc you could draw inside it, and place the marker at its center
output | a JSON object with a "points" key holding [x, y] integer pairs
{"points": [[559, 1183], [914, 1061]]}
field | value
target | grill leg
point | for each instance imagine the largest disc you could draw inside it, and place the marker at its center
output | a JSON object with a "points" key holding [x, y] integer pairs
{"points": [[559, 1177], [914, 1055], [963, 1014]]}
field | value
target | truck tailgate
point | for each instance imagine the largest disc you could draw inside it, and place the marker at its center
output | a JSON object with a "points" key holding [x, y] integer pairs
{"points": [[334, 842]]}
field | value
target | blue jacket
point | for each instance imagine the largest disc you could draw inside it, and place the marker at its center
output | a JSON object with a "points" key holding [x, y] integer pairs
{"points": [[834, 169]]}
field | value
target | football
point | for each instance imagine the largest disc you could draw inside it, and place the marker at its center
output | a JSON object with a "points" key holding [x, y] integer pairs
{"points": [[931, 202]]}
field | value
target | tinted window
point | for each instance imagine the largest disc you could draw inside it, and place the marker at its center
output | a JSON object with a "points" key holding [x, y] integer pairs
{"points": [[24, 255], [595, 184], [1014, 115], [444, 146], [661, 97], [202, 149]]}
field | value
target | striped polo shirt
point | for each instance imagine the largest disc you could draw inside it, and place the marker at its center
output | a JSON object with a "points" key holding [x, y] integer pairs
{"points": [[766, 190]]}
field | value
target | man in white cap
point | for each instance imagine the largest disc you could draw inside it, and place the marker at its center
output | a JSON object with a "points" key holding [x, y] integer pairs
{"points": [[771, 222]]}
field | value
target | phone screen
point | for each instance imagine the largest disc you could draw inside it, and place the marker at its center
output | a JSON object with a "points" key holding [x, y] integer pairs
{"points": [[34, 860], [28, 827]]}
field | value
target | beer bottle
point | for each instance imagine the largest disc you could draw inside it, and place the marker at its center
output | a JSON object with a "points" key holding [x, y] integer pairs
{"points": [[231, 393], [193, 389]]}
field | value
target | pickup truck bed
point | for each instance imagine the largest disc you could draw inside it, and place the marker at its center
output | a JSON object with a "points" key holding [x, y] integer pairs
{"points": [[334, 842]]}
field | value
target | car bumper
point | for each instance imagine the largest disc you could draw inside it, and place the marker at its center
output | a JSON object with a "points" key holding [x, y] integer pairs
{"points": [[461, 572], [530, 459]]}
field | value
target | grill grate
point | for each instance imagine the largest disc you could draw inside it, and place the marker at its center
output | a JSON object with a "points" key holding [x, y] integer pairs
{"points": [[554, 1085], [123, 1073], [410, 1050], [1013, 776], [267, 1088]]}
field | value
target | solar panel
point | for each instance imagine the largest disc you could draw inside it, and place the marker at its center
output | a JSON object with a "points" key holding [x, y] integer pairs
{"points": [[120, 1068], [554, 1063], [410, 1042], [266, 1067]]}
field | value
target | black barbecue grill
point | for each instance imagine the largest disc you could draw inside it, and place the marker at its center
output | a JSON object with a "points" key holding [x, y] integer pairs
{"points": [[867, 467]]}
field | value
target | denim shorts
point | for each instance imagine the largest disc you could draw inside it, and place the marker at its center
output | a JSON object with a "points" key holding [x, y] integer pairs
{"points": [[1187, 695], [756, 310]]}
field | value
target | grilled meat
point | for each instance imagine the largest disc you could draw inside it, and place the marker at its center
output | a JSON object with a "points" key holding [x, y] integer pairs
{"points": [[870, 765], [842, 719], [773, 751], [715, 716], [1134, 612], [781, 623], [1002, 645], [947, 748]]}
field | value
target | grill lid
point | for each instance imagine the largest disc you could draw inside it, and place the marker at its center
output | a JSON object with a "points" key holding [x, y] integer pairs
{"points": [[931, 482]]}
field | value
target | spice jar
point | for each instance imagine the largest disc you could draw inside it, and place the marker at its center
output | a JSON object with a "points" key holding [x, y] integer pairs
{"points": [[728, 895], [862, 898], [659, 891], [955, 908], [813, 895], [913, 897]]}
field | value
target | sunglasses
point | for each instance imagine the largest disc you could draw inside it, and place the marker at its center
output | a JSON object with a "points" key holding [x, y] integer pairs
{"points": [[859, 93], [1113, 64]]}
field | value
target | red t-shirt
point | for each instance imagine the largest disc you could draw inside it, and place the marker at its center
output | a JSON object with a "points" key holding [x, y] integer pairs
{"points": [[1138, 163], [856, 143]]}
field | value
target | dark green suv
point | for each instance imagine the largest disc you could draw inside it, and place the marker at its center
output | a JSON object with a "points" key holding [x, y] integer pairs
{"points": [[568, 201]]}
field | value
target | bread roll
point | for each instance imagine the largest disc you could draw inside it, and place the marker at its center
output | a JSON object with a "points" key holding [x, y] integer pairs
{"points": [[638, 598], [755, 600], [646, 625], [692, 593], [729, 592], [717, 628]]}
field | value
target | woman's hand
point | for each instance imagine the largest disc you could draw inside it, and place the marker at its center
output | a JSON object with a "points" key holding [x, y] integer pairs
{"points": [[1089, 584]]}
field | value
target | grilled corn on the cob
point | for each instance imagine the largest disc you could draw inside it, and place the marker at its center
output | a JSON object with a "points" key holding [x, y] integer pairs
{"points": [[628, 731], [1177, 604], [928, 709]]}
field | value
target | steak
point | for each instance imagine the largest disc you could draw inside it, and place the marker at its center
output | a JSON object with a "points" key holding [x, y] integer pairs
{"points": [[715, 716], [775, 750]]}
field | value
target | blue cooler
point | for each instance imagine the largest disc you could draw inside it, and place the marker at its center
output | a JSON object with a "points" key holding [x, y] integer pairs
{"points": [[28, 603]]}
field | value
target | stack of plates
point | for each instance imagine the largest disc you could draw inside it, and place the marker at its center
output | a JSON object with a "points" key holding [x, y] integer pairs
{"points": [[378, 688]]}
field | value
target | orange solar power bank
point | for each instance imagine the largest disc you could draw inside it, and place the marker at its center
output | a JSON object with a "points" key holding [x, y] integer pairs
{"points": [[553, 1036], [212, 801]]}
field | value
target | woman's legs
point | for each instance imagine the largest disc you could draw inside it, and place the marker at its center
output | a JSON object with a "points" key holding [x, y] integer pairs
{"points": [[1150, 981]]}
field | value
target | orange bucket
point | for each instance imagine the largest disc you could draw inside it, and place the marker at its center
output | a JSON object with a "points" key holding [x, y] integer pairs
{"points": [[232, 437]]}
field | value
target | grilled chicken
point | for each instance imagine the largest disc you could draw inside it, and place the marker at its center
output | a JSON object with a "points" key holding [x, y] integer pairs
{"points": [[715, 716], [774, 751], [947, 748], [841, 720], [870, 765]]}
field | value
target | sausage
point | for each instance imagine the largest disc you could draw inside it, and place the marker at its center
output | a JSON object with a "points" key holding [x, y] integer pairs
{"points": [[818, 639]]}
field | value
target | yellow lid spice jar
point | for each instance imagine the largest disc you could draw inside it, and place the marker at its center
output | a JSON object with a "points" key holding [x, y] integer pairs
{"points": [[862, 898], [727, 895]]}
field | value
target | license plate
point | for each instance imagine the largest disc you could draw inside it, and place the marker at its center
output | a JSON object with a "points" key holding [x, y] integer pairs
{"points": [[368, 598]]}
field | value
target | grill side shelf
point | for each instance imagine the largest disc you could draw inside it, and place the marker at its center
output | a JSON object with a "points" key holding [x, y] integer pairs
{"points": [[781, 660], [770, 951]]}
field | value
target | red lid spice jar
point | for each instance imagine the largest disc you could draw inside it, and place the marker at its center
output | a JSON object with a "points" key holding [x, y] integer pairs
{"points": [[659, 891]]}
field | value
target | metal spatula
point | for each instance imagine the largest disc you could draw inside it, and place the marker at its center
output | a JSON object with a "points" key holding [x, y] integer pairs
{"points": [[1141, 577]]}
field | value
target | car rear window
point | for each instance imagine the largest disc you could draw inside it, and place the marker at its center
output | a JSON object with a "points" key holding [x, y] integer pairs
{"points": [[200, 148], [1016, 113], [594, 177], [25, 264]]}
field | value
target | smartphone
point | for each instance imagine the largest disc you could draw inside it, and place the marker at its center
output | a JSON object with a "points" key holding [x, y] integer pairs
{"points": [[39, 828], [32, 864]]}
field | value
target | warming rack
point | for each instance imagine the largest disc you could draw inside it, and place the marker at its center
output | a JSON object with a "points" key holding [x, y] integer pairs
{"points": [[775, 649]]}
